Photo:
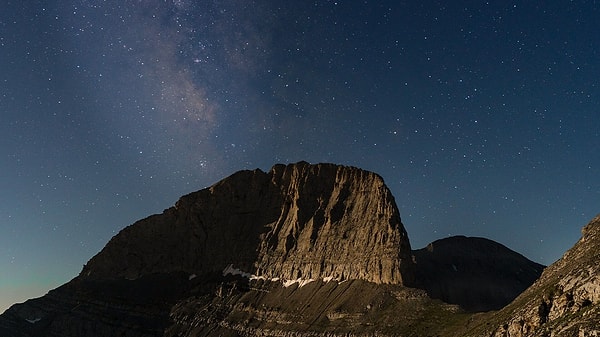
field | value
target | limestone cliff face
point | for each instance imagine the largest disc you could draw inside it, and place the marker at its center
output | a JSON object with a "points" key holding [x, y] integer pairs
{"points": [[299, 221]]}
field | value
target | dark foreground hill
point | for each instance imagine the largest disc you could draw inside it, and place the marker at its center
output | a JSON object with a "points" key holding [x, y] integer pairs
{"points": [[476, 273], [301, 250]]}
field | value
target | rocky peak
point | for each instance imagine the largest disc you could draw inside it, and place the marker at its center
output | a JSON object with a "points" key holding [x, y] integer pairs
{"points": [[295, 222]]}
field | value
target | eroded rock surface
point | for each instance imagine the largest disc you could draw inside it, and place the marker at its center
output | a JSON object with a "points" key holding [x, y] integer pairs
{"points": [[298, 221]]}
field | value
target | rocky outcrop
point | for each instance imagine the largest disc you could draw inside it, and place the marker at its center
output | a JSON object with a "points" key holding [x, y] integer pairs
{"points": [[296, 222], [476, 273], [564, 301]]}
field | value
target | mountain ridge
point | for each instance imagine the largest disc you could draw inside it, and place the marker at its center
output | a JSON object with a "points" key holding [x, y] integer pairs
{"points": [[301, 250]]}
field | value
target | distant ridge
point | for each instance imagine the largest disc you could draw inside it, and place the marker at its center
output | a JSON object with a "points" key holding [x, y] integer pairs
{"points": [[476, 273]]}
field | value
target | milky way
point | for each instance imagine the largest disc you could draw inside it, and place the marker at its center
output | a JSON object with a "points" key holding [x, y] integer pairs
{"points": [[481, 117]]}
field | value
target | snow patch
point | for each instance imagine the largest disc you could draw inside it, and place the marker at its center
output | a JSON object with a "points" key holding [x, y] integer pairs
{"points": [[231, 270], [301, 282], [331, 278]]}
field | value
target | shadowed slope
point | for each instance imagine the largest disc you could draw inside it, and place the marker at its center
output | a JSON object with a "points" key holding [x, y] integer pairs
{"points": [[476, 273]]}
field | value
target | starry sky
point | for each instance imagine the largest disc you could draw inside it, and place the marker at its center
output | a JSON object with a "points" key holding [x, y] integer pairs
{"points": [[482, 117]]}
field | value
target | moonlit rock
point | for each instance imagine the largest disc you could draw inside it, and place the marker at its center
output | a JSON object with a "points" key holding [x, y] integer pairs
{"points": [[297, 221]]}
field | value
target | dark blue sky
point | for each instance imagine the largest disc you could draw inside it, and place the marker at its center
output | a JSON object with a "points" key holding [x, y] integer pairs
{"points": [[483, 118]]}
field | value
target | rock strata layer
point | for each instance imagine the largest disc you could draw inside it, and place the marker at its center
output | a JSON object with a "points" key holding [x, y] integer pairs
{"points": [[299, 221]]}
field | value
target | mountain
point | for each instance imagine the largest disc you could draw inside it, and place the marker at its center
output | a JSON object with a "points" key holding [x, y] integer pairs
{"points": [[476, 273], [564, 301], [301, 250], [296, 222]]}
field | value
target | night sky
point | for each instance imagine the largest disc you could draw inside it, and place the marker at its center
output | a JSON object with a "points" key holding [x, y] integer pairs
{"points": [[482, 117]]}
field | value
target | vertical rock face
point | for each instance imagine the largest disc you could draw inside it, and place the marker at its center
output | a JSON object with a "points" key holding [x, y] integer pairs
{"points": [[299, 221], [334, 222]]}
